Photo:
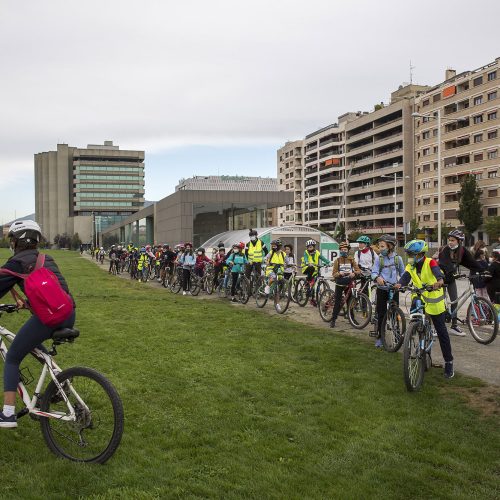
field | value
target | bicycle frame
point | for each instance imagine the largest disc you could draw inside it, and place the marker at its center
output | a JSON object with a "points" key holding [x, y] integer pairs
{"points": [[50, 367]]}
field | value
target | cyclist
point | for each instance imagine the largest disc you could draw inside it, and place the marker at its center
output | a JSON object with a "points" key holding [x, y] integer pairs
{"points": [[237, 262], [219, 263], [289, 261], [187, 260], [344, 271], [112, 257], [422, 270], [310, 264], [130, 247], [255, 252], [275, 262], [493, 283], [450, 257], [168, 257], [101, 255], [365, 256], [24, 238], [143, 265], [201, 262], [387, 270]]}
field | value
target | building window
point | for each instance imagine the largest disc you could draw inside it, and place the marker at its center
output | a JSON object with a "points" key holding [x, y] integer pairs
{"points": [[477, 119], [492, 95], [492, 193], [492, 212], [478, 100], [425, 152], [450, 214], [435, 149], [436, 97], [492, 134], [426, 201], [478, 138], [478, 157], [425, 103], [426, 134], [477, 81], [434, 132], [425, 185], [492, 76], [435, 216], [492, 115], [435, 184], [435, 165], [492, 154], [426, 168]]}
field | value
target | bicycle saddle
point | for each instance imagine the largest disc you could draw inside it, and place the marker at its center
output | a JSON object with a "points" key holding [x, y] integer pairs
{"points": [[65, 335]]}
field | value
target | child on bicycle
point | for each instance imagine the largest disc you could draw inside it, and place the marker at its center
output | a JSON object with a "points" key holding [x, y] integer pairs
{"points": [[344, 271], [289, 261], [237, 262], [219, 263], [422, 270], [143, 265], [24, 239], [201, 261], [310, 264], [187, 260], [275, 263], [387, 269]]}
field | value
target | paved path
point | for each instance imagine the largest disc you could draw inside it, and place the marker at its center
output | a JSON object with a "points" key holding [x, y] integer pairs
{"points": [[471, 358]]}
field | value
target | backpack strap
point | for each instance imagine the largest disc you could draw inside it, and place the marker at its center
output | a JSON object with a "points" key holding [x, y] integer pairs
{"points": [[373, 255], [40, 261]]}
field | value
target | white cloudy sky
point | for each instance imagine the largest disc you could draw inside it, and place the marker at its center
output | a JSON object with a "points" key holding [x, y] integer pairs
{"points": [[207, 87]]}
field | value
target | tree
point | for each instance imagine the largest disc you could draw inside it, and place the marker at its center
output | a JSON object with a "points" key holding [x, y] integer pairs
{"points": [[76, 242], [64, 241], [414, 230], [492, 227], [470, 213], [57, 237], [4, 243], [110, 240], [355, 235]]}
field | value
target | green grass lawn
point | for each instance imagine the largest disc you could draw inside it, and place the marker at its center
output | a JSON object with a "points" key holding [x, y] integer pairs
{"points": [[225, 401]]}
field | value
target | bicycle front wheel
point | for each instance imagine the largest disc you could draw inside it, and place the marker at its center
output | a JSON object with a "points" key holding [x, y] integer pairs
{"points": [[359, 311], [282, 296], [482, 320], [414, 358], [96, 433], [393, 329], [325, 304], [260, 294]]}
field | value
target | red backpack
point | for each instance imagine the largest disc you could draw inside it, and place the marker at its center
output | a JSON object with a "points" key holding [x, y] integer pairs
{"points": [[46, 297]]}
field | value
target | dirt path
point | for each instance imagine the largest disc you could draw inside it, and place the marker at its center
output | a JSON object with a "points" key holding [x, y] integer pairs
{"points": [[471, 358]]}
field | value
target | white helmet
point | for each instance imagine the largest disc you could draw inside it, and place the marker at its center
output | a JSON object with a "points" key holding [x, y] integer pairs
{"points": [[25, 230], [310, 243], [102, 248]]}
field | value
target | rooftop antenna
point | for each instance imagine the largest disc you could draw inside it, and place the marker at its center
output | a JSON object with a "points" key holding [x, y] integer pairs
{"points": [[411, 72]]}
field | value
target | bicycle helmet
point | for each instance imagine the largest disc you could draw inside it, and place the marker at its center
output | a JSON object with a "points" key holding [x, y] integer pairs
{"points": [[456, 233], [276, 242], [364, 239], [388, 238], [27, 230], [188, 244], [241, 245], [310, 243], [220, 244], [252, 232], [415, 247], [143, 250], [344, 244], [201, 249]]}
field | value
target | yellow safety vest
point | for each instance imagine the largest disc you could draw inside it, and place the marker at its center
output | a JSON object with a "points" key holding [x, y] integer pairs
{"points": [[277, 259], [255, 253], [142, 262], [308, 259], [434, 301]]}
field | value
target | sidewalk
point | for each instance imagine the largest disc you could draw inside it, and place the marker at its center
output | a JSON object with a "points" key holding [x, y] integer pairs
{"points": [[471, 358]]}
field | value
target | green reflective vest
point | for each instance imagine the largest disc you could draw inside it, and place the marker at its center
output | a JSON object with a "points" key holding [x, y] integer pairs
{"points": [[434, 301]]}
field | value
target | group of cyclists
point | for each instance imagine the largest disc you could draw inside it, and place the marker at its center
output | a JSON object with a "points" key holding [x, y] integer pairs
{"points": [[366, 283]]}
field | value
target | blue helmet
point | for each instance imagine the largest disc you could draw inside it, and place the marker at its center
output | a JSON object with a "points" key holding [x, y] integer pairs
{"points": [[415, 247], [143, 249]]}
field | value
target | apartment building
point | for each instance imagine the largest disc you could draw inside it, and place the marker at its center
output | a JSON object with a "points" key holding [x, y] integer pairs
{"points": [[324, 174], [468, 104], [84, 190], [379, 172], [290, 162]]}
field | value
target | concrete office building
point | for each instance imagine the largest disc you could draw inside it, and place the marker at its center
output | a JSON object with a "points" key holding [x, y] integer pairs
{"points": [[470, 143], [290, 160], [379, 155], [80, 189], [197, 215]]}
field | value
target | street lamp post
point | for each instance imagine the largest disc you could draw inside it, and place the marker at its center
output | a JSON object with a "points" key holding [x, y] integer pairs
{"points": [[388, 176]]}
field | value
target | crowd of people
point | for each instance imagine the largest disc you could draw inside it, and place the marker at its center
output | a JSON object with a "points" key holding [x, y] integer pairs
{"points": [[378, 261]]}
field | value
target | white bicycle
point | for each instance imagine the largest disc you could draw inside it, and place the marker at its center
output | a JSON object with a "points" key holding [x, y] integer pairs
{"points": [[80, 412]]}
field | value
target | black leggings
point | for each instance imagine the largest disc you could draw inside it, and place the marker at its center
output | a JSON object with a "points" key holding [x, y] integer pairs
{"points": [[235, 277], [186, 279], [31, 335], [453, 294], [444, 339]]}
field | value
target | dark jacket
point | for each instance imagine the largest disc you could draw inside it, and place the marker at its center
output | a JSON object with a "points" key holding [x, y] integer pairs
{"points": [[23, 263], [449, 260], [493, 284]]}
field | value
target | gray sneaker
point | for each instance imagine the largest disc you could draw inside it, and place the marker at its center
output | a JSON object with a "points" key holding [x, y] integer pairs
{"points": [[455, 330]]}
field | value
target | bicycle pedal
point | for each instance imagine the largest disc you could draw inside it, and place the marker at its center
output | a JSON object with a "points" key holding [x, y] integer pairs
{"points": [[372, 334]]}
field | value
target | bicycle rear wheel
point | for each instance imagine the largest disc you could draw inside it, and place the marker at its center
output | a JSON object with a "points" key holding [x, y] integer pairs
{"points": [[359, 311], [301, 292], [244, 290], [393, 329], [414, 358], [482, 320], [325, 304], [96, 433], [282, 296]]}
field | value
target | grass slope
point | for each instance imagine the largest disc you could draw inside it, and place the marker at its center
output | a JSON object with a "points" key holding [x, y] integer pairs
{"points": [[225, 401]]}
